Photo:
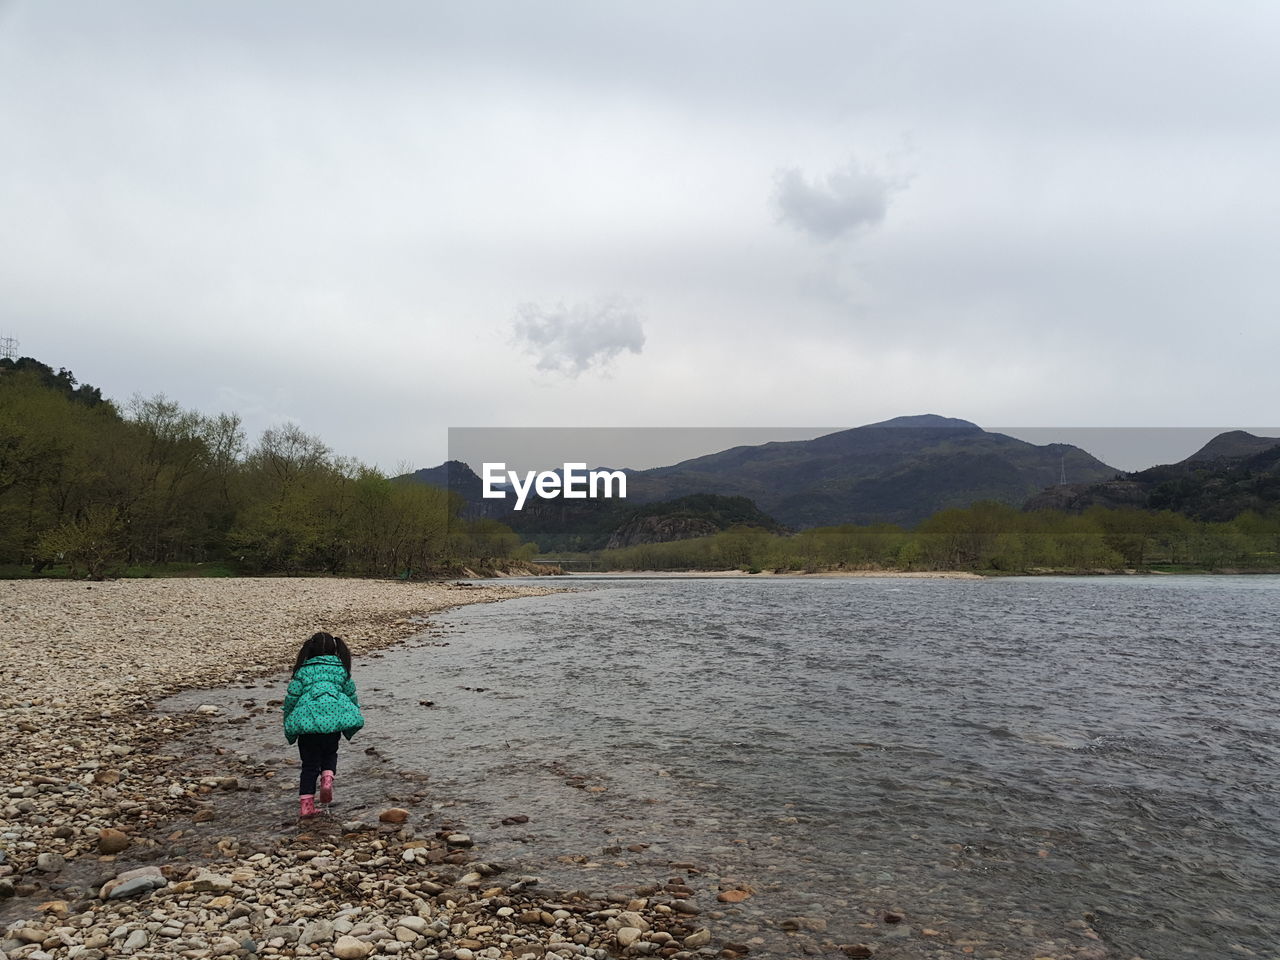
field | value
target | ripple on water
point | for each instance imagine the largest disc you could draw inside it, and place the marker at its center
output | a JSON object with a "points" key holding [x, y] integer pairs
{"points": [[1004, 757]]}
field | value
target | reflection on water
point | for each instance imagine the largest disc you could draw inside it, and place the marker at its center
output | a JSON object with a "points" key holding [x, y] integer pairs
{"points": [[1019, 764]]}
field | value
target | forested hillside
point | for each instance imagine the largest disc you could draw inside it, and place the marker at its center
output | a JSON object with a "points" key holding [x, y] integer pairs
{"points": [[570, 525], [91, 488], [1233, 474]]}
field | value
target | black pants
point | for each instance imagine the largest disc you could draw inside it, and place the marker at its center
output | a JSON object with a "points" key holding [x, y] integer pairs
{"points": [[318, 751]]}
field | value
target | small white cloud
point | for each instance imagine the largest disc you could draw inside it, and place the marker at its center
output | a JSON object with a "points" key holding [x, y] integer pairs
{"points": [[574, 339], [826, 209]]}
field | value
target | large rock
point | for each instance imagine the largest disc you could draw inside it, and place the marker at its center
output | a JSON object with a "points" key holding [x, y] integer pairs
{"points": [[699, 938], [133, 882], [628, 935], [58, 908], [50, 862], [394, 815], [349, 948], [135, 941], [317, 931], [659, 529], [111, 840], [209, 882]]}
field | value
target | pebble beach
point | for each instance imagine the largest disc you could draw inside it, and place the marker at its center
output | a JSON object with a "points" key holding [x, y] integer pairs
{"points": [[109, 834]]}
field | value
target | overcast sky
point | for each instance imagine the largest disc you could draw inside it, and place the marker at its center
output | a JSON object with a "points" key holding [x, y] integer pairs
{"points": [[384, 220]]}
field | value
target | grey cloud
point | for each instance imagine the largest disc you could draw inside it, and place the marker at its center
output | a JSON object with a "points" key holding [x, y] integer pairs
{"points": [[849, 197], [574, 339], [181, 173]]}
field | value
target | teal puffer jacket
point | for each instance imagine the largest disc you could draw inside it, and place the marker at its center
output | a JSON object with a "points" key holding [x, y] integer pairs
{"points": [[321, 699]]}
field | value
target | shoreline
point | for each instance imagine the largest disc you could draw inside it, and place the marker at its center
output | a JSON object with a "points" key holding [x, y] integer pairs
{"points": [[106, 797], [906, 574], [772, 575]]}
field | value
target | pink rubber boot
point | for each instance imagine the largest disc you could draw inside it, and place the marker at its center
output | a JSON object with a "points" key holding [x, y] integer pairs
{"points": [[307, 805], [326, 786]]}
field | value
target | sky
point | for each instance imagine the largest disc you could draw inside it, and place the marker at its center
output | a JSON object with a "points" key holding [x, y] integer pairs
{"points": [[382, 221]]}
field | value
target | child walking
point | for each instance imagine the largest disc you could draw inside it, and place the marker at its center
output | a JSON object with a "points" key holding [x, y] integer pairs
{"points": [[320, 706]]}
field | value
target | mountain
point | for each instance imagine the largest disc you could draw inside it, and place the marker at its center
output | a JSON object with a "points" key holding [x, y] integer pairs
{"points": [[697, 515], [897, 471], [560, 525], [456, 477], [1232, 473], [574, 525], [1232, 445]]}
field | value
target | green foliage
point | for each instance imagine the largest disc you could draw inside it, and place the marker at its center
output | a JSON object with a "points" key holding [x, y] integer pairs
{"points": [[63, 381], [1217, 489], [989, 537], [85, 491], [1235, 473], [89, 545]]}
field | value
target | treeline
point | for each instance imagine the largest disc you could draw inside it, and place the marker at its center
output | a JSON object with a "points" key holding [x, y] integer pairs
{"points": [[987, 537], [86, 485]]}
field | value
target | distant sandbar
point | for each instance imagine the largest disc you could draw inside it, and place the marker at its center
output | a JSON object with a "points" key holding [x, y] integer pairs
{"points": [[769, 574]]}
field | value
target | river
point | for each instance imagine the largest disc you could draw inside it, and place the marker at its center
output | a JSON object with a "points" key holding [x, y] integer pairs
{"points": [[1024, 766]]}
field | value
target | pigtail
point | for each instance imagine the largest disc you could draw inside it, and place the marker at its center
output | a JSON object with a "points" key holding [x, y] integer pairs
{"points": [[324, 644]]}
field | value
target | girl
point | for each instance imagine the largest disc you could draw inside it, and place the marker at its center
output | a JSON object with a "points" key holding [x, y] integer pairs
{"points": [[321, 703]]}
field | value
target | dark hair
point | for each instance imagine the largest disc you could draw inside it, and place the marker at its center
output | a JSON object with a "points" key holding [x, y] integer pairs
{"points": [[321, 644]]}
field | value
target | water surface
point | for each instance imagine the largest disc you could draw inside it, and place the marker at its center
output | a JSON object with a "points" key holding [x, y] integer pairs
{"points": [[1020, 765]]}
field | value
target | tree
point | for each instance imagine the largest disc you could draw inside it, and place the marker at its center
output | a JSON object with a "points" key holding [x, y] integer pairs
{"points": [[89, 545]]}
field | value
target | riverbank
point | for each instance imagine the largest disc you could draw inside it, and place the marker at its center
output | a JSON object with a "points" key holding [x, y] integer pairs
{"points": [[471, 570], [927, 574], [118, 833], [789, 574], [107, 648]]}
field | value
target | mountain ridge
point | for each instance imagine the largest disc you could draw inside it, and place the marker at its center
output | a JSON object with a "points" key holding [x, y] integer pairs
{"points": [[898, 471], [1234, 472], [895, 471], [1231, 444]]}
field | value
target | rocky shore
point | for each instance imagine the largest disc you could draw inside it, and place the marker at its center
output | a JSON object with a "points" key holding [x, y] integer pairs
{"points": [[105, 841]]}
